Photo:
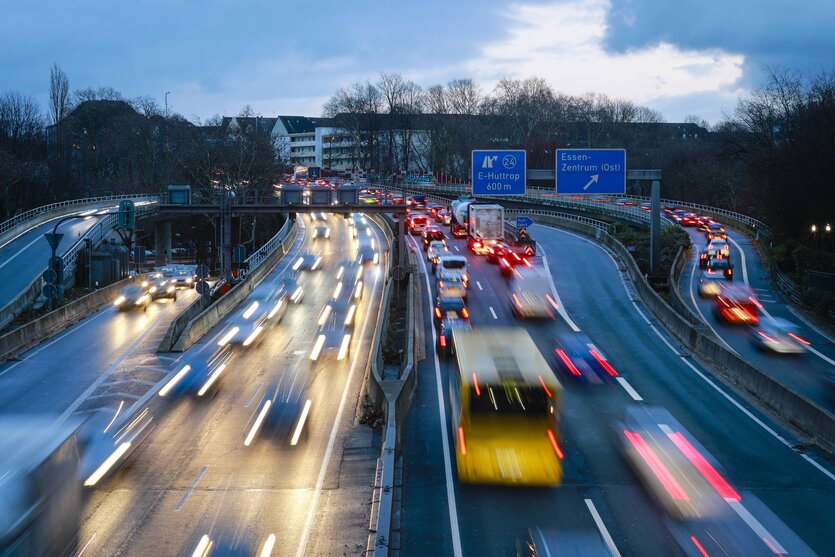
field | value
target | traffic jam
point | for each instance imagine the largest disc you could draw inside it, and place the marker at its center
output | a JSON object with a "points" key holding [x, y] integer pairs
{"points": [[506, 383]]}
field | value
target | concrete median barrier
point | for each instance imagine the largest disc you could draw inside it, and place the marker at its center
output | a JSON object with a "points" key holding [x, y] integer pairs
{"points": [[194, 323]]}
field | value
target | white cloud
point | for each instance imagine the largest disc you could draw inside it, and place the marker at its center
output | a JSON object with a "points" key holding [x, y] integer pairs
{"points": [[563, 43]]}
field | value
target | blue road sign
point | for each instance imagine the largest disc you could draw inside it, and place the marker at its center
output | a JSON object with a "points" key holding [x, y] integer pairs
{"points": [[523, 222], [499, 172], [591, 171]]}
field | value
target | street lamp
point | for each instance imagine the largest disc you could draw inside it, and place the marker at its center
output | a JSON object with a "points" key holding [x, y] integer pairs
{"points": [[55, 262], [166, 103], [814, 228]]}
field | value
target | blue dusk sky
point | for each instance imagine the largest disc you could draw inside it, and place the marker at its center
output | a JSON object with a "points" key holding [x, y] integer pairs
{"points": [[281, 57]]}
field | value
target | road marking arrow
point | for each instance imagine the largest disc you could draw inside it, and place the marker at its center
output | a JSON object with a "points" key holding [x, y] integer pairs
{"points": [[593, 180]]}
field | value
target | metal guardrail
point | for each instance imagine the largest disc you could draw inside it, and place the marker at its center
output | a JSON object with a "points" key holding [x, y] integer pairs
{"points": [[535, 195], [787, 286], [97, 233], [18, 219], [264, 251], [569, 216]]}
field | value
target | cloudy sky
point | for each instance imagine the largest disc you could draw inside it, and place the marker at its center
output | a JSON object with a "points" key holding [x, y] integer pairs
{"points": [[680, 57]]}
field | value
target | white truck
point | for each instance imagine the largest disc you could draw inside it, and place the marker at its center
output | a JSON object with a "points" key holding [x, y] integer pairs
{"points": [[486, 226], [531, 292], [40, 492], [458, 222]]}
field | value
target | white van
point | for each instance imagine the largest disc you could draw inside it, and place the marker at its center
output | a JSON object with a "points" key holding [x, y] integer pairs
{"points": [[449, 264]]}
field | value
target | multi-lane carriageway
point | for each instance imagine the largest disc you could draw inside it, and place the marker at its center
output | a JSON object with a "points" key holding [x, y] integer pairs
{"points": [[788, 493], [194, 476]]}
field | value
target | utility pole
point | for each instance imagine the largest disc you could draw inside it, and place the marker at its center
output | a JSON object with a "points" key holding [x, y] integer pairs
{"points": [[166, 103]]}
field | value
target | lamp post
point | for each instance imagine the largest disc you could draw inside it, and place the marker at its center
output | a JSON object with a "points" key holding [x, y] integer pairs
{"points": [[166, 103], [55, 262]]}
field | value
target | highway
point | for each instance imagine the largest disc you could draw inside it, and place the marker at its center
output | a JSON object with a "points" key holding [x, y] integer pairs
{"points": [[803, 373], [197, 476], [600, 493]]}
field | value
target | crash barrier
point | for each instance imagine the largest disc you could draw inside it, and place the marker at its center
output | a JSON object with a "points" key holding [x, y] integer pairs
{"points": [[18, 224], [815, 422], [197, 326], [677, 298], [394, 397], [22, 338], [94, 235]]}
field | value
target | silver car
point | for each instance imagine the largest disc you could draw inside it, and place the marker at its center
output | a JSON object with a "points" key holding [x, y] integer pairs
{"points": [[778, 335]]}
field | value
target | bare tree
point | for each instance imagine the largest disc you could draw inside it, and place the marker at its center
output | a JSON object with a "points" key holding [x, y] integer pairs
{"points": [[59, 90], [105, 93], [146, 105]]}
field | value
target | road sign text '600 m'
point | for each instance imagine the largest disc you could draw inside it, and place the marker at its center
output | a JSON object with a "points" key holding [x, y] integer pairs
{"points": [[499, 172]]}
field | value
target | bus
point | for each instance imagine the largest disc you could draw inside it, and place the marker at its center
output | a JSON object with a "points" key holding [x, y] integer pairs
{"points": [[504, 407]]}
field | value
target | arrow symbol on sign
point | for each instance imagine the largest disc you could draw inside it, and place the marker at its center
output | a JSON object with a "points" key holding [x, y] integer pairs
{"points": [[593, 180]]}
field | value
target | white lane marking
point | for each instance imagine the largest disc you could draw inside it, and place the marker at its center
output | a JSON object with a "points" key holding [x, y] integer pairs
{"points": [[821, 356], [21, 250], [479, 285], [741, 256], [317, 490], [756, 526], [188, 492], [92, 388], [493, 312], [607, 538], [83, 549], [560, 307], [450, 493], [810, 325], [252, 396], [628, 388], [456, 248], [704, 377]]}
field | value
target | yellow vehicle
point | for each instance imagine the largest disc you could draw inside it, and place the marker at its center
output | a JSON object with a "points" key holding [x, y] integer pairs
{"points": [[504, 405]]}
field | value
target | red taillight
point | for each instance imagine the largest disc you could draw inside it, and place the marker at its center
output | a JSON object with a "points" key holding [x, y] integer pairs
{"points": [[516, 256], [567, 361], [438, 312], [554, 444], [442, 341], [602, 361], [461, 443], [475, 384], [465, 313], [544, 386], [800, 339], [657, 466], [702, 465], [699, 546]]}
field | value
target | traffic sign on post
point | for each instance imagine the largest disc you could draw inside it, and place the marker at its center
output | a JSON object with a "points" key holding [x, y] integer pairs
{"points": [[499, 172], [53, 239], [202, 272], [523, 222], [127, 214], [591, 171]]}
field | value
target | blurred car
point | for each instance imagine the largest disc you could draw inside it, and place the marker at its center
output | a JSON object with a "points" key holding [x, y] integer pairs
{"points": [[132, 296], [737, 305], [322, 230], [200, 376], [716, 230], [562, 543], [624, 202], [510, 261], [452, 263], [719, 246], [497, 250], [293, 286], [435, 249], [262, 309], [308, 262], [442, 216], [646, 206], [600, 199], [450, 307], [446, 344], [160, 287], [779, 335], [690, 219], [433, 208], [183, 276], [281, 415], [106, 443], [338, 316], [367, 251], [579, 358], [222, 544], [450, 284], [677, 215], [705, 222], [713, 278], [431, 233]]}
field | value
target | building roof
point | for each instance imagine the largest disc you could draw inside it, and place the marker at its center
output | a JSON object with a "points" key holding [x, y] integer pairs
{"points": [[304, 124]]}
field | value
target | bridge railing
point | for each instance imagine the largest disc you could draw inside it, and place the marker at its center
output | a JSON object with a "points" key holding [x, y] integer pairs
{"points": [[270, 246], [39, 215]]}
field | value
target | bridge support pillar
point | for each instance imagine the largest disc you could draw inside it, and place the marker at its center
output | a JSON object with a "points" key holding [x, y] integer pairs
{"points": [[162, 242], [655, 230]]}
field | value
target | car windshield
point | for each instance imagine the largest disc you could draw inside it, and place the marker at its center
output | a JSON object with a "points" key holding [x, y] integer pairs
{"points": [[454, 264], [132, 290]]}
